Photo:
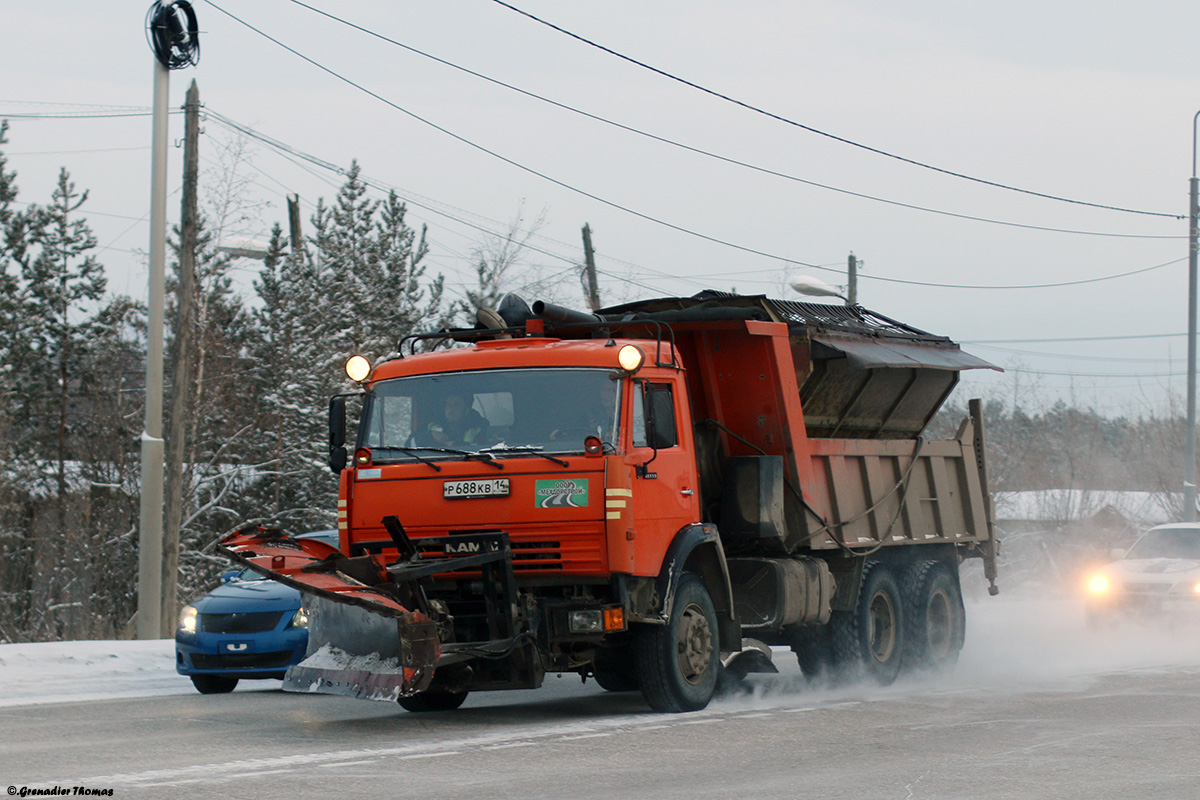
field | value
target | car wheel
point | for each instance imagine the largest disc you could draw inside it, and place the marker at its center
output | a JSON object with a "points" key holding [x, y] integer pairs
{"points": [[214, 684], [871, 636], [679, 662]]}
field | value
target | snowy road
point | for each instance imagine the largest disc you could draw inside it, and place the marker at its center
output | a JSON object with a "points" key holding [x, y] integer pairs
{"points": [[1037, 709]]}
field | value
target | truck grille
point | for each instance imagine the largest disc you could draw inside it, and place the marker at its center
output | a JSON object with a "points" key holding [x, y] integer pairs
{"points": [[576, 548], [249, 622], [526, 555]]}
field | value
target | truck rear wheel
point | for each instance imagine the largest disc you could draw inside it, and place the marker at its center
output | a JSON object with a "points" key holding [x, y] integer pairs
{"points": [[432, 700], [935, 620], [678, 663], [872, 634]]}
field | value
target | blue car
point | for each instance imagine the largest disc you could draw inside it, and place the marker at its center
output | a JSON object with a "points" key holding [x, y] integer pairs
{"points": [[248, 627]]}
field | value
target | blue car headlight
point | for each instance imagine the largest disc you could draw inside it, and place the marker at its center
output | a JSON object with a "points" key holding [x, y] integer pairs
{"points": [[300, 618], [188, 618]]}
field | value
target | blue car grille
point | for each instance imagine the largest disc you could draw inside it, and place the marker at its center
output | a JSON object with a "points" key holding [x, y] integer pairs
{"points": [[250, 622], [277, 660]]}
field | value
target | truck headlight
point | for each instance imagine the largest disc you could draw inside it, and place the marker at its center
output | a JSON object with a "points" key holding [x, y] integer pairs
{"points": [[187, 619], [589, 620]]}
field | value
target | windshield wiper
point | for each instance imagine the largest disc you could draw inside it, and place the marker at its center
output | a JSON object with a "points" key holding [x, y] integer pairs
{"points": [[411, 451], [523, 448]]}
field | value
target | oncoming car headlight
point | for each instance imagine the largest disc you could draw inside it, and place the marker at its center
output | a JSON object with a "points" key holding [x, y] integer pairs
{"points": [[187, 619], [1098, 584]]}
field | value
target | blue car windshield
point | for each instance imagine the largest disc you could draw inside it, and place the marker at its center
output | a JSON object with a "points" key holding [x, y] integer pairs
{"points": [[249, 575], [503, 411]]}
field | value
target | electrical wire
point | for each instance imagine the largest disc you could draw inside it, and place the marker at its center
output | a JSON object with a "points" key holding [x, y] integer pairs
{"points": [[717, 156], [628, 210], [1075, 339], [509, 161], [276, 144], [827, 135]]}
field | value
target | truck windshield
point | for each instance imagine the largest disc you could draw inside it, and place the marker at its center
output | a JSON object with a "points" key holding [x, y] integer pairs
{"points": [[509, 412]]}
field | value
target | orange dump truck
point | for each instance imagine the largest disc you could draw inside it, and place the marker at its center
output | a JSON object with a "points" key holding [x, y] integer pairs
{"points": [[654, 495]]}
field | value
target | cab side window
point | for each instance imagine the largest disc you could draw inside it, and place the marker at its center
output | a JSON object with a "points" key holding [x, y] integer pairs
{"points": [[657, 428]]}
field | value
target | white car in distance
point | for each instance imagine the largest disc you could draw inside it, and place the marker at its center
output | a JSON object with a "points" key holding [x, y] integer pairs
{"points": [[1158, 578]]}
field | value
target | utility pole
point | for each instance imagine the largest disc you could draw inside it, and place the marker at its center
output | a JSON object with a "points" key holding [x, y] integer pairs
{"points": [[1189, 450], [149, 612], [173, 34], [184, 327], [852, 280], [589, 258]]}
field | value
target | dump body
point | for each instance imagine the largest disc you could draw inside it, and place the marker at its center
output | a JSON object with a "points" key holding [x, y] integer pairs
{"points": [[537, 501]]}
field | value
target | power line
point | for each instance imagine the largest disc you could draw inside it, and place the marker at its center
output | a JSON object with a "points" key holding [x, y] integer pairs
{"points": [[1074, 357], [509, 161], [710, 154], [1076, 339], [1027, 285], [628, 210], [811, 129]]}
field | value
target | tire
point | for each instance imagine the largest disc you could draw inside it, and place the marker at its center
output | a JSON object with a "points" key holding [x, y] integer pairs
{"points": [[815, 654], [432, 700], [679, 662], [934, 617], [870, 639], [615, 670], [213, 684]]}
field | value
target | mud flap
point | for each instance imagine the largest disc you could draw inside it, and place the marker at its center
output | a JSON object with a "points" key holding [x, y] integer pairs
{"points": [[753, 657]]}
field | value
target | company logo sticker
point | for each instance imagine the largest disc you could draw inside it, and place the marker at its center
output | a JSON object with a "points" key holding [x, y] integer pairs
{"points": [[561, 493]]}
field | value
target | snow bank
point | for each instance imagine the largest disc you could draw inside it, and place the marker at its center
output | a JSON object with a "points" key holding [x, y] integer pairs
{"points": [[63, 672]]}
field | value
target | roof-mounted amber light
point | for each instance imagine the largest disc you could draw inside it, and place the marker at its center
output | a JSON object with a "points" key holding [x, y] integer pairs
{"points": [[358, 368], [630, 358]]}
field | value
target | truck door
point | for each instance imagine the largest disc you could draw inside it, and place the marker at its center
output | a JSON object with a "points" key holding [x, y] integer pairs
{"points": [[665, 491]]}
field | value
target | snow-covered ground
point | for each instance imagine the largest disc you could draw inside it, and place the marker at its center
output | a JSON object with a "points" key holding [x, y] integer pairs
{"points": [[1014, 642]]}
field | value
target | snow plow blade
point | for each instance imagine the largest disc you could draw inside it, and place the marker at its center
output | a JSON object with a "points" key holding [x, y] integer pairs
{"points": [[367, 636]]}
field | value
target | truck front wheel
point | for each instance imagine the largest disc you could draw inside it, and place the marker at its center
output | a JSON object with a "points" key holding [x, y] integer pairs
{"points": [[678, 663], [432, 700], [872, 634]]}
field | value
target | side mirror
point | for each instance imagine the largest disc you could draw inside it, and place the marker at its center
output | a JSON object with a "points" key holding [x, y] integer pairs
{"points": [[229, 575], [338, 459], [337, 422], [337, 434]]}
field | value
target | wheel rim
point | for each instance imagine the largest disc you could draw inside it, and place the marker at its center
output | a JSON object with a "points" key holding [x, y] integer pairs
{"points": [[940, 624], [693, 644], [883, 627]]}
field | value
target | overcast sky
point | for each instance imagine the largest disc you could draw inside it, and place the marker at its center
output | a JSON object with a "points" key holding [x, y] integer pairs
{"points": [[1090, 102]]}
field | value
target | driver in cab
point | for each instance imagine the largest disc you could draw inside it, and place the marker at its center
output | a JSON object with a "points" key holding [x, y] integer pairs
{"points": [[461, 426]]}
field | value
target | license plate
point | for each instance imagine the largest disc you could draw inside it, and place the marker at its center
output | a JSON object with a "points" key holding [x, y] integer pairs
{"points": [[494, 487]]}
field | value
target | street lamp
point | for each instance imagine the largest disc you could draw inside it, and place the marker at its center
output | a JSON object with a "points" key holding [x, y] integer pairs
{"points": [[815, 287]]}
